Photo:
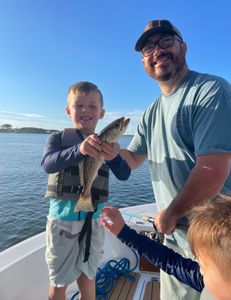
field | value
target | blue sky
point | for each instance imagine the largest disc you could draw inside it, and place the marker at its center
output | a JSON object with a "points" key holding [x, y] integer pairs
{"points": [[48, 45]]}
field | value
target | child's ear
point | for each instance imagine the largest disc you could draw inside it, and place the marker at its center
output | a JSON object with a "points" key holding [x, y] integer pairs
{"points": [[68, 111], [102, 114]]}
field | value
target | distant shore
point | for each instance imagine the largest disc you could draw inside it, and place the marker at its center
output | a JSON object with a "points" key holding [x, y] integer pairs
{"points": [[33, 130], [26, 130]]}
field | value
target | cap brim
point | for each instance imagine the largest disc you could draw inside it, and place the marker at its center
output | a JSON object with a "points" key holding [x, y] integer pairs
{"points": [[148, 33]]}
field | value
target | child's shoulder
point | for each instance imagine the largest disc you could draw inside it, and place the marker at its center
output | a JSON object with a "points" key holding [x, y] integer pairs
{"points": [[54, 136], [55, 133]]}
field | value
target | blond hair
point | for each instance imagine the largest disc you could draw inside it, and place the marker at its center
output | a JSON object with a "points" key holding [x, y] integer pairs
{"points": [[82, 88], [210, 232]]}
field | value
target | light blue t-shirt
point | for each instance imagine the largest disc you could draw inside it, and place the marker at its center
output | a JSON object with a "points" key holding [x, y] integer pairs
{"points": [[64, 210], [193, 120]]}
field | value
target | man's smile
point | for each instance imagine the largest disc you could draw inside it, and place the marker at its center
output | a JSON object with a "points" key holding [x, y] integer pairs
{"points": [[162, 59]]}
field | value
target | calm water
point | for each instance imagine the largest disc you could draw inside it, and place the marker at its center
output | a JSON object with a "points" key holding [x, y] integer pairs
{"points": [[23, 182]]}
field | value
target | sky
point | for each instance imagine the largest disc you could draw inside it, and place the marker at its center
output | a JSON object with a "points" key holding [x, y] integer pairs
{"points": [[47, 45]]}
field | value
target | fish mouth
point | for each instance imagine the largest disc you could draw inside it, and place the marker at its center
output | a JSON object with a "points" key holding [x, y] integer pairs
{"points": [[119, 124], [125, 123]]}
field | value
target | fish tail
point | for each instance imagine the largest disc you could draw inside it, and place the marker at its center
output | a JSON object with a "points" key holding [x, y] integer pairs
{"points": [[84, 203]]}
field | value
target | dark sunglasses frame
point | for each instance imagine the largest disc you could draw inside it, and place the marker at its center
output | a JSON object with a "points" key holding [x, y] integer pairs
{"points": [[161, 44]]}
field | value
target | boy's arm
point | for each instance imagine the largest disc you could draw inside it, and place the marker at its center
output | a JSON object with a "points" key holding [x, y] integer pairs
{"points": [[184, 269], [119, 167], [55, 158], [114, 161]]}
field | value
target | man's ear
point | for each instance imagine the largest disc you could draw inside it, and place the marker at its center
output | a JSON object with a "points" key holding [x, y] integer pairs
{"points": [[184, 47], [102, 114], [68, 111]]}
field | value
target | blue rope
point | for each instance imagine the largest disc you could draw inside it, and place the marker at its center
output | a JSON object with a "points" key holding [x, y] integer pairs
{"points": [[107, 276]]}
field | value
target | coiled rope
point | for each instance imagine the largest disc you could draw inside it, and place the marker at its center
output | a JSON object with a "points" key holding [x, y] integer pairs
{"points": [[107, 276]]}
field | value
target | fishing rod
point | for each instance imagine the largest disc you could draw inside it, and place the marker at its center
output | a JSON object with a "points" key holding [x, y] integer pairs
{"points": [[144, 218], [152, 220]]}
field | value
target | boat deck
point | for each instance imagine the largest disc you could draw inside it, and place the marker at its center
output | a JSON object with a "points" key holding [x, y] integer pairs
{"points": [[146, 289], [146, 286], [124, 288], [152, 290]]}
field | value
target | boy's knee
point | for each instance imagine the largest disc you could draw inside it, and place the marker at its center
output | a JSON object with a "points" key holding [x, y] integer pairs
{"points": [[86, 287], [57, 293]]}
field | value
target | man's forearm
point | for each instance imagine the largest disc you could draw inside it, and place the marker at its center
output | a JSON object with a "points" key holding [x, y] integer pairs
{"points": [[134, 160], [204, 183]]}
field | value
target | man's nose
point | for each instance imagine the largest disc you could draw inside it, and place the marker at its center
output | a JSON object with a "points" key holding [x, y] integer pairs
{"points": [[157, 50]]}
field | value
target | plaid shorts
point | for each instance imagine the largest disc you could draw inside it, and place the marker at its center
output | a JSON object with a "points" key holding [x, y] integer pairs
{"points": [[64, 253]]}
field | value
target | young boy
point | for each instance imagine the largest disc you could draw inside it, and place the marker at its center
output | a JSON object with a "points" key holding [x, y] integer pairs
{"points": [[209, 238], [66, 249]]}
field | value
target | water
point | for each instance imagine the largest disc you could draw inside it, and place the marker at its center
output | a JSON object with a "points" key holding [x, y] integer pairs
{"points": [[23, 182]]}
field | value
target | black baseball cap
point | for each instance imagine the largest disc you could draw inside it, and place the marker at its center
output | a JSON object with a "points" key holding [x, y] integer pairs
{"points": [[156, 26]]}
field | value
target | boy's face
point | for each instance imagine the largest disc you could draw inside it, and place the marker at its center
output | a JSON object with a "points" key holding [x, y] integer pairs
{"points": [[219, 287], [85, 111]]}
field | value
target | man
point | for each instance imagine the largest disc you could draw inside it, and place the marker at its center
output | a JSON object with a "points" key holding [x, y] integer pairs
{"points": [[185, 135]]}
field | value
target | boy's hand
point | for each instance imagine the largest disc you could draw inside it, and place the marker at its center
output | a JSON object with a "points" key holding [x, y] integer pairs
{"points": [[110, 151], [114, 215], [91, 146]]}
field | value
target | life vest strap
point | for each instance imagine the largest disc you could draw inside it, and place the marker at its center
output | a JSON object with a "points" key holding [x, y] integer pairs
{"points": [[74, 189], [87, 229]]}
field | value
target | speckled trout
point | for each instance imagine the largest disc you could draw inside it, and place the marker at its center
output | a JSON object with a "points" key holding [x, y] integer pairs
{"points": [[89, 166]]}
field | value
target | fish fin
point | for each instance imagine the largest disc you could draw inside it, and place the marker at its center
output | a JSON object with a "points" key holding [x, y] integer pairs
{"points": [[81, 189], [84, 203]]}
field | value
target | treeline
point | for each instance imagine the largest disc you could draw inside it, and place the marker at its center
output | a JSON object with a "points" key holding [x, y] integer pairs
{"points": [[8, 128]]}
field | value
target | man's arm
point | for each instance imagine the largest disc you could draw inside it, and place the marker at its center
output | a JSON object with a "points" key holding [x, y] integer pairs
{"points": [[134, 160], [206, 180]]}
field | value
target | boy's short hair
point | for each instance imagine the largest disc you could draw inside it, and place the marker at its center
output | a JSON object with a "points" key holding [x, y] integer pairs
{"points": [[82, 88], [209, 234]]}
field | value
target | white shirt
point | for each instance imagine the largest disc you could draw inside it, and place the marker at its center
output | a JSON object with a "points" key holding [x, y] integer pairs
{"points": [[206, 295]]}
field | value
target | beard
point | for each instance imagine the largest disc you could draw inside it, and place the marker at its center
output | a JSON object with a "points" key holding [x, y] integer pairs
{"points": [[171, 70]]}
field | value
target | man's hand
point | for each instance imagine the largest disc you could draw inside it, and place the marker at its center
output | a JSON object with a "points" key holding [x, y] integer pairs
{"points": [[91, 146], [110, 151], [164, 222], [116, 220]]}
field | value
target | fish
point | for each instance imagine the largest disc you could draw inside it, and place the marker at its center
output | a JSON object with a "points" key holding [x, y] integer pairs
{"points": [[89, 166]]}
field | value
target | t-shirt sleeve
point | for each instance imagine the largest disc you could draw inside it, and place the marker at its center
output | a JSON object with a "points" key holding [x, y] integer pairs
{"points": [[138, 144], [212, 119]]}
